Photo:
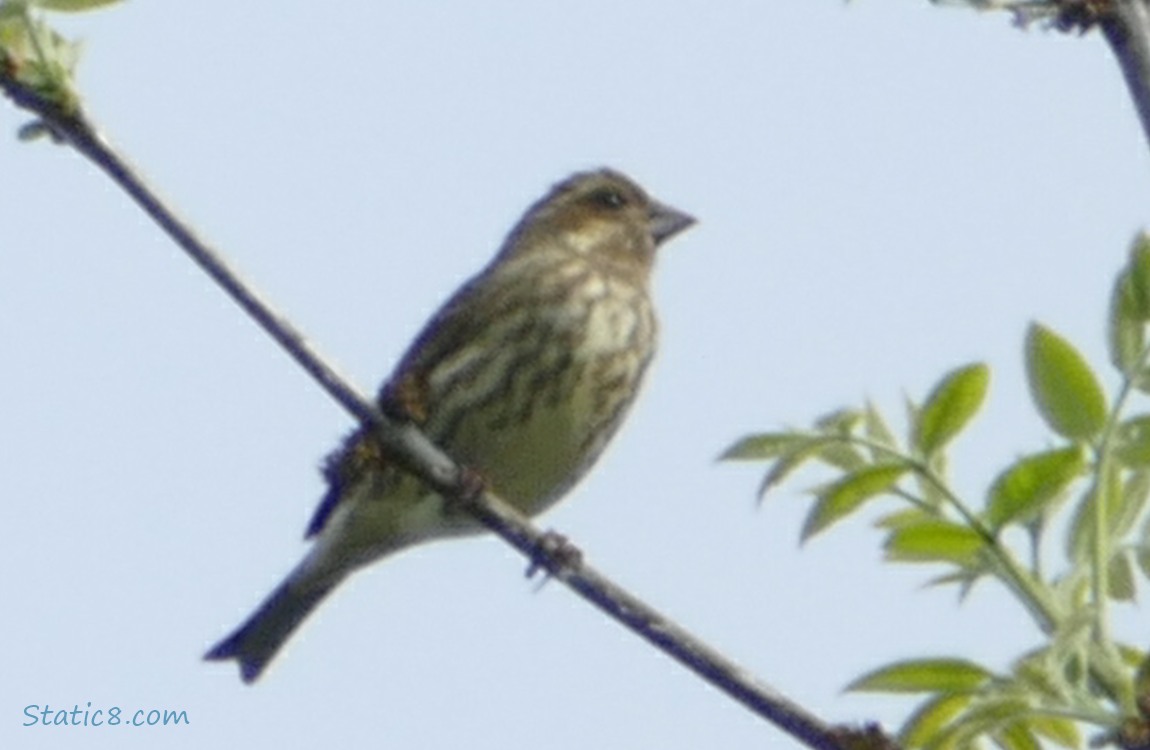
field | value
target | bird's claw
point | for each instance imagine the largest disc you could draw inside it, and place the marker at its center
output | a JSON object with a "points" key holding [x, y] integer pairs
{"points": [[554, 553]]}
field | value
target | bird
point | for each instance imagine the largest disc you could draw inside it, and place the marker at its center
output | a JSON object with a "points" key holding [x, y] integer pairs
{"points": [[523, 376]]}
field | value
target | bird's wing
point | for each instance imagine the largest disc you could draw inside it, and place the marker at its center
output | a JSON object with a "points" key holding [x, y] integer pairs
{"points": [[405, 396]]}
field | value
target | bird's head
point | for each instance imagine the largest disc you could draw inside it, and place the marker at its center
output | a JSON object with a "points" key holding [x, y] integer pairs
{"points": [[601, 215]]}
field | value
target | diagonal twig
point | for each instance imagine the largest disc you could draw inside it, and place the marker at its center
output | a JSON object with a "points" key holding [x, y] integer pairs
{"points": [[422, 458], [1126, 26]]}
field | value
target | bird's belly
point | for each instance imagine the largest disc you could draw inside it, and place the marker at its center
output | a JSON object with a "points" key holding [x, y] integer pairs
{"points": [[528, 463], [565, 406], [530, 467]]}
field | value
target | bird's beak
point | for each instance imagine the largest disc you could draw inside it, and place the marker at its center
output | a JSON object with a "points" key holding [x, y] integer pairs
{"points": [[666, 221]]}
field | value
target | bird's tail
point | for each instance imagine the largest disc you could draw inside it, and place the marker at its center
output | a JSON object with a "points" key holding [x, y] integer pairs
{"points": [[255, 643]]}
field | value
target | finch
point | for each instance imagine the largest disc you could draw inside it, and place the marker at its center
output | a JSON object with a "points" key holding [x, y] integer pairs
{"points": [[523, 376]]}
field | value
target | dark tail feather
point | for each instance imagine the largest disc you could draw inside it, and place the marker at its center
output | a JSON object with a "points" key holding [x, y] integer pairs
{"points": [[257, 641]]}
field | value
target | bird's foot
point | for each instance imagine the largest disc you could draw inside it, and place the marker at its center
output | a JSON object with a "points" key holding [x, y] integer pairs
{"points": [[554, 553]]}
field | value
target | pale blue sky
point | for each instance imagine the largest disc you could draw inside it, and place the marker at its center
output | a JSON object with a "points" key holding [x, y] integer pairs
{"points": [[885, 190]]}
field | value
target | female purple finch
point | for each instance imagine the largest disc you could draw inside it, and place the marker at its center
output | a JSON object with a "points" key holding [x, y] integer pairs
{"points": [[522, 376]]}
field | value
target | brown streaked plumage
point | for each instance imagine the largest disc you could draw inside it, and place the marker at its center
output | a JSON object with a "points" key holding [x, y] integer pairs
{"points": [[524, 375]]}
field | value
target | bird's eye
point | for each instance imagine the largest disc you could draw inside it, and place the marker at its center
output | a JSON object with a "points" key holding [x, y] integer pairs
{"points": [[609, 198]]}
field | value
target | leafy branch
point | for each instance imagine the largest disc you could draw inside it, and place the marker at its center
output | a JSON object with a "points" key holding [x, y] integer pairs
{"points": [[1101, 458]]}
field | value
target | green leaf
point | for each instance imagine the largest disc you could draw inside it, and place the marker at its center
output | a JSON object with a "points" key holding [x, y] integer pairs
{"points": [[1138, 275], [765, 446], [784, 467], [876, 429], [933, 496], [1126, 328], [73, 6], [1108, 678], [1063, 386], [924, 676], [913, 411], [1138, 272], [1142, 675], [840, 498], [40, 59], [839, 422], [836, 452], [1134, 657], [1037, 673], [986, 717], [1061, 731], [1080, 537], [950, 406], [1142, 557], [965, 578], [934, 541], [1132, 441], [790, 451], [904, 517], [1016, 736], [1028, 486], [1135, 492], [926, 723], [1120, 578]]}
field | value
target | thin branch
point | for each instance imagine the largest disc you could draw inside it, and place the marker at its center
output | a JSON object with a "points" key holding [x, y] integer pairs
{"points": [[657, 629], [423, 459], [1126, 25]]}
